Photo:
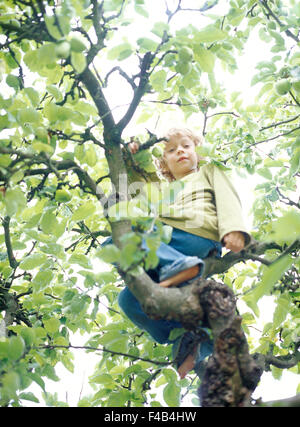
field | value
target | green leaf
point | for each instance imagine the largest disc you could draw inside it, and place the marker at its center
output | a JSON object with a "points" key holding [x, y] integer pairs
{"points": [[159, 28], [84, 211], [251, 301], [13, 81], [10, 384], [120, 52], [49, 371], [32, 261], [270, 277], [51, 325], [286, 228], [175, 333], [78, 60], [42, 279], [16, 347], [46, 55], [281, 311], [130, 255], [139, 9], [171, 394], [158, 80], [147, 44], [210, 34], [28, 334], [54, 91], [37, 378], [14, 201], [33, 95], [49, 222], [81, 260], [109, 253], [265, 172], [205, 58], [52, 27], [77, 304], [29, 396]]}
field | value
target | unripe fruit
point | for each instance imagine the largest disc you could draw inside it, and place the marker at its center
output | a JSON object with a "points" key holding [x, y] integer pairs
{"points": [[77, 44], [185, 54], [183, 67], [62, 50], [157, 152], [283, 86]]}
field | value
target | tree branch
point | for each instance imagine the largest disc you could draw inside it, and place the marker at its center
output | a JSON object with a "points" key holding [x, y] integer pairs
{"points": [[279, 123], [104, 350], [139, 91], [95, 90], [282, 26], [123, 74], [220, 265], [12, 260], [55, 166]]}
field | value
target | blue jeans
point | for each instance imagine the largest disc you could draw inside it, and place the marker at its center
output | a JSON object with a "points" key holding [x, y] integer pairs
{"points": [[185, 250]]}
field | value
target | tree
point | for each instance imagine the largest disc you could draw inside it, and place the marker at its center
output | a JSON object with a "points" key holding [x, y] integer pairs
{"points": [[63, 150]]}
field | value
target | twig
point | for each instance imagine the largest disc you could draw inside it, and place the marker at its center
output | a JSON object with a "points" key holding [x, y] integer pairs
{"points": [[271, 13], [123, 74], [287, 201], [104, 350], [279, 123]]}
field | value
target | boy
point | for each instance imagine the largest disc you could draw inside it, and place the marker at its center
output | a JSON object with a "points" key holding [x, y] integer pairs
{"points": [[205, 216]]}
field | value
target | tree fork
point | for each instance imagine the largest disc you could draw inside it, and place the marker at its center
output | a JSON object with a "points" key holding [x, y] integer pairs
{"points": [[181, 304]]}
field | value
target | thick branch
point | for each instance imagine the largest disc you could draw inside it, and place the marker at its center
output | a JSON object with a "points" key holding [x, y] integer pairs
{"points": [[179, 304], [282, 362], [95, 90], [231, 374], [139, 91], [12, 260], [252, 252], [54, 166]]}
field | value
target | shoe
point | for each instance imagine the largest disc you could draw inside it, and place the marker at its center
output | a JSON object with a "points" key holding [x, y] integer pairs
{"points": [[186, 344]]}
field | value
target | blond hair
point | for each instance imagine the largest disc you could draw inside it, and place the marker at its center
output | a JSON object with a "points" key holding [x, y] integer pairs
{"points": [[161, 163]]}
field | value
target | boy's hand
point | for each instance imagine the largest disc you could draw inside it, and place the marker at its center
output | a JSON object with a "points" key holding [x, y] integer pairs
{"points": [[133, 147], [234, 241]]}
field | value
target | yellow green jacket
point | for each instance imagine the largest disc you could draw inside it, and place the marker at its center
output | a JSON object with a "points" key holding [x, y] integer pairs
{"points": [[208, 205]]}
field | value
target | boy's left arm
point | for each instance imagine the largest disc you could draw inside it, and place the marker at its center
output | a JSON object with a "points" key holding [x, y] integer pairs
{"points": [[233, 232]]}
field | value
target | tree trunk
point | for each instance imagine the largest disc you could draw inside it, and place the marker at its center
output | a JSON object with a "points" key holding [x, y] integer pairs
{"points": [[231, 374]]}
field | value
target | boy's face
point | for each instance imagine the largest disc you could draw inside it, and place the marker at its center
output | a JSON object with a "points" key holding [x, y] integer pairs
{"points": [[180, 156]]}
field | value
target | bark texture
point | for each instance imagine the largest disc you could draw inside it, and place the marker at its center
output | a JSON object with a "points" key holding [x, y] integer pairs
{"points": [[231, 374]]}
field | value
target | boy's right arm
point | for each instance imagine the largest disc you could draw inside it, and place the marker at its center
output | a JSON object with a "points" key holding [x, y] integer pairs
{"points": [[135, 172], [133, 147]]}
